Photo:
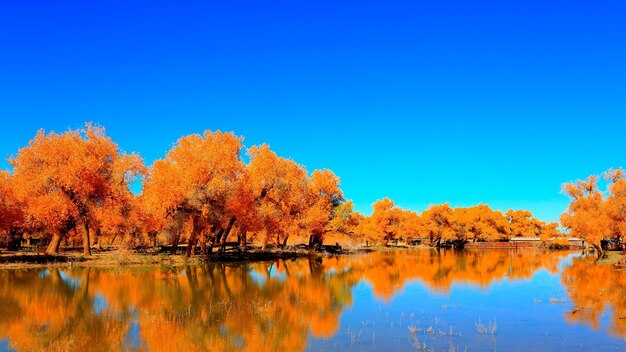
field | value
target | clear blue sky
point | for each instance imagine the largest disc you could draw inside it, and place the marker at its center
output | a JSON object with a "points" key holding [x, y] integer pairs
{"points": [[423, 101]]}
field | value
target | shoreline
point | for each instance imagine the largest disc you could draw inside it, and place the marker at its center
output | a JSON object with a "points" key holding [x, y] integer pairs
{"points": [[127, 257], [121, 257]]}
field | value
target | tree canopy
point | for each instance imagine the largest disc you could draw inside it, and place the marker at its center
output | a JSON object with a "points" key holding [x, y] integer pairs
{"points": [[75, 186]]}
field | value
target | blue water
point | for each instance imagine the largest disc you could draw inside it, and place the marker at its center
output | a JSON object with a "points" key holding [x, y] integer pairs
{"points": [[496, 300]]}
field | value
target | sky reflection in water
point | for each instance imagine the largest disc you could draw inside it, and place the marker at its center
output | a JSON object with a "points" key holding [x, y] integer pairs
{"points": [[379, 301]]}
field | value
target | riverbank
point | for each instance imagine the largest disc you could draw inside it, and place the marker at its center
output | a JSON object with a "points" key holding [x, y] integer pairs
{"points": [[612, 258], [124, 257], [114, 257]]}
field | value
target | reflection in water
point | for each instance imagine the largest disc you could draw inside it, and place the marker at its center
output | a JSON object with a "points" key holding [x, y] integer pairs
{"points": [[594, 289], [269, 306], [213, 307], [388, 272]]}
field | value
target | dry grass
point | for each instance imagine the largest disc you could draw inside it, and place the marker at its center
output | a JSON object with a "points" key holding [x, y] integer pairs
{"points": [[612, 258], [75, 259], [489, 329]]}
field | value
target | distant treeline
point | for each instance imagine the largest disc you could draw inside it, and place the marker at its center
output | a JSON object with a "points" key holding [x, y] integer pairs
{"points": [[75, 186]]}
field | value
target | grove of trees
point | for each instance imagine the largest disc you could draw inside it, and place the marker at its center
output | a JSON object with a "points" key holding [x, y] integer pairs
{"points": [[210, 192], [595, 215], [76, 186], [441, 224]]}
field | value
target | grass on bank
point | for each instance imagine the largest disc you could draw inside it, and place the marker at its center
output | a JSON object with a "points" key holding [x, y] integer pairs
{"points": [[114, 256], [121, 257], [612, 258]]}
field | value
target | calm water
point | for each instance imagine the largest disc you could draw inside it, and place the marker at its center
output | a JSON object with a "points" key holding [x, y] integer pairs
{"points": [[382, 301]]}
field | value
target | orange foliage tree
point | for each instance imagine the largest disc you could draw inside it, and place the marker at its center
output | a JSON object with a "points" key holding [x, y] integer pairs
{"points": [[11, 212], [204, 186], [439, 224], [344, 219], [487, 224], [522, 223], [389, 222], [120, 218], [63, 178], [203, 189], [282, 185], [595, 215], [193, 183], [281, 201], [616, 203], [324, 197], [587, 216]]}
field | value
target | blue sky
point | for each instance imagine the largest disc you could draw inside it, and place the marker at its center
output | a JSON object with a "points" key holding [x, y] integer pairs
{"points": [[496, 102]]}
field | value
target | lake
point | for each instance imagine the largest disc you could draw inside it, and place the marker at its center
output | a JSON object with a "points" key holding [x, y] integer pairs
{"points": [[402, 300]]}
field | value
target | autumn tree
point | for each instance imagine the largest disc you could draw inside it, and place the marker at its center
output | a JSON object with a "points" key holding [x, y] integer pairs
{"points": [[385, 223], [63, 178], [279, 186], [522, 223], [587, 216], [194, 182], [438, 224], [324, 198], [11, 212], [344, 220], [593, 216], [119, 218], [616, 204], [282, 201], [486, 224], [150, 217]]}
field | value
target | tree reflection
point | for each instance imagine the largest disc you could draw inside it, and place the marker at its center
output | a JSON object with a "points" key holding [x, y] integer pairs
{"points": [[267, 306], [388, 272], [594, 289]]}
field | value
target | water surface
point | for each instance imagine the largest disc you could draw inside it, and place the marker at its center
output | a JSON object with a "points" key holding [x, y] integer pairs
{"points": [[394, 301]]}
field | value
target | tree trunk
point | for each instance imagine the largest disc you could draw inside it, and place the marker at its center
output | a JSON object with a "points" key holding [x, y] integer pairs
{"points": [[191, 244], [86, 244], [265, 241], [203, 247], [193, 237], [315, 241], [53, 246], [175, 240], [179, 218], [96, 238], [226, 232], [277, 243], [153, 236], [599, 250], [216, 239], [14, 241], [284, 244], [209, 249], [242, 241]]}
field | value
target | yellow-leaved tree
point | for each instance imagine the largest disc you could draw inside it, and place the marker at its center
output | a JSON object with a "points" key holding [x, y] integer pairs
{"points": [[63, 178]]}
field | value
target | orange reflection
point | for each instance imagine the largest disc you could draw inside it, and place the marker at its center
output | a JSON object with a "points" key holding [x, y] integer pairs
{"points": [[389, 271], [594, 289], [268, 306]]}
